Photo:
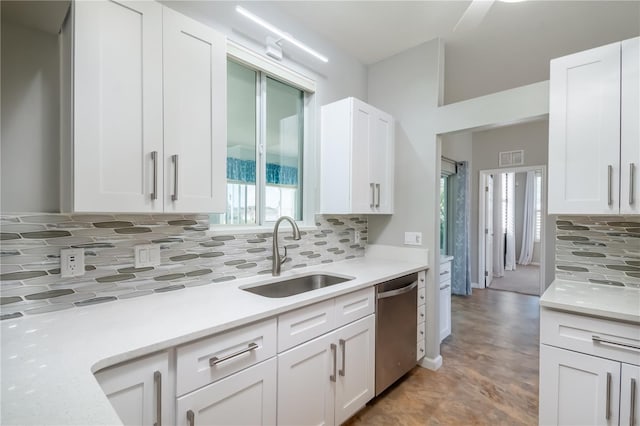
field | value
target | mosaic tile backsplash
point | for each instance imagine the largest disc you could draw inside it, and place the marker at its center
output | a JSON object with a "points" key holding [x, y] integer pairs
{"points": [[191, 255], [599, 249]]}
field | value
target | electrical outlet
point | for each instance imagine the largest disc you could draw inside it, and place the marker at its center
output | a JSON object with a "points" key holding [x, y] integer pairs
{"points": [[147, 255], [356, 237], [71, 262], [413, 238]]}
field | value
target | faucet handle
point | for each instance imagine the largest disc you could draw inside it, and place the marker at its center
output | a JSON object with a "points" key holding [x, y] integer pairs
{"points": [[284, 258]]}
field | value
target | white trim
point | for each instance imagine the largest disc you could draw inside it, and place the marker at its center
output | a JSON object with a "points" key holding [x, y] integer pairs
{"points": [[254, 60], [431, 363], [481, 220], [476, 285]]}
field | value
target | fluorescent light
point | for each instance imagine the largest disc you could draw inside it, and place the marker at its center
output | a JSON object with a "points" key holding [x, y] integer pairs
{"points": [[283, 35]]}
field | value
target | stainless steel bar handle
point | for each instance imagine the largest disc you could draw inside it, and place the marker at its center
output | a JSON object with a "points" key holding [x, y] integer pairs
{"points": [[609, 183], [444, 273], [632, 404], [599, 339], [343, 347], [334, 349], [608, 407], [174, 159], [154, 158], [215, 360], [399, 291], [373, 195], [445, 287], [157, 382], [378, 191], [632, 183], [191, 418]]}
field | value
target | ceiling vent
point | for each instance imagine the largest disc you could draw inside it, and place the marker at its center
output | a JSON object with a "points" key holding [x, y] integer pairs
{"points": [[511, 158]]}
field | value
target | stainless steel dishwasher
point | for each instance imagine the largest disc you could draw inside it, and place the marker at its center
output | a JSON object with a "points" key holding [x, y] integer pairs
{"points": [[396, 329]]}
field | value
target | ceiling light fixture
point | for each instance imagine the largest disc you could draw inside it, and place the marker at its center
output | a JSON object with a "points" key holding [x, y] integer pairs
{"points": [[283, 35]]}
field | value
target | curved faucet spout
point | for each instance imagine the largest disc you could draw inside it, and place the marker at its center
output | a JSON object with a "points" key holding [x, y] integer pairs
{"points": [[277, 260]]}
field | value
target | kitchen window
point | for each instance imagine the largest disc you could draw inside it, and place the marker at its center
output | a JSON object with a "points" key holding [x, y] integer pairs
{"points": [[265, 148]]}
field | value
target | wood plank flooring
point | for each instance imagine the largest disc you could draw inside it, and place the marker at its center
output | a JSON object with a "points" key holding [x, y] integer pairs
{"points": [[489, 375]]}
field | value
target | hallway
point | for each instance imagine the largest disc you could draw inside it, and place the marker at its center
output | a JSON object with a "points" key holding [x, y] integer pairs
{"points": [[489, 375]]}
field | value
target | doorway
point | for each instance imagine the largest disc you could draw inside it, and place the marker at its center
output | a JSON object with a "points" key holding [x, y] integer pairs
{"points": [[511, 211]]}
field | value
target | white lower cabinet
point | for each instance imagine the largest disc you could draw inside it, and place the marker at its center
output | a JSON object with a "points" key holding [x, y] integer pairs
{"points": [[244, 398], [630, 395], [140, 391], [327, 380]]}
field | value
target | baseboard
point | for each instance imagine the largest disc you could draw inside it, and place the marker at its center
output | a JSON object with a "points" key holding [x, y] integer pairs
{"points": [[476, 285], [431, 363]]}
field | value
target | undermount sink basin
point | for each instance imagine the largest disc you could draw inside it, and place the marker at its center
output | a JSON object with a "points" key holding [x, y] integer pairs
{"points": [[297, 285]]}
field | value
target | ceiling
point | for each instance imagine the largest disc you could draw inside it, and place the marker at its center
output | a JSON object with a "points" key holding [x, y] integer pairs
{"points": [[43, 15]]}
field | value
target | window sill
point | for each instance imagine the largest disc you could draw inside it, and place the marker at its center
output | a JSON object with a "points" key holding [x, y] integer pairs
{"points": [[255, 229]]}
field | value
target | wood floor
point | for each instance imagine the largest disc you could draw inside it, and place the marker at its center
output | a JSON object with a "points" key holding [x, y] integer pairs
{"points": [[489, 375]]}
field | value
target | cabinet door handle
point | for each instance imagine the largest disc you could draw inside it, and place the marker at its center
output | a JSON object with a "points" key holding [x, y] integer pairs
{"points": [[191, 418], [444, 273], [609, 183], [632, 404], [174, 159], [215, 360], [632, 183], [373, 195], [343, 346], [378, 191], [334, 349], [599, 339], [444, 287], [154, 159], [157, 381], [608, 406]]}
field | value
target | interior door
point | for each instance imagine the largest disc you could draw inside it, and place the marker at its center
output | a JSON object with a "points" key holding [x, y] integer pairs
{"points": [[488, 230]]}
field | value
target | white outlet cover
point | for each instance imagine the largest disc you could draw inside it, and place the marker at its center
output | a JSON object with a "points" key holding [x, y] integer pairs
{"points": [[71, 262], [147, 255], [413, 238]]}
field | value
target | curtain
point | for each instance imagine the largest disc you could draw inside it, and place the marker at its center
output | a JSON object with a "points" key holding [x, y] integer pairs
{"points": [[461, 215], [528, 220], [509, 225], [498, 227]]}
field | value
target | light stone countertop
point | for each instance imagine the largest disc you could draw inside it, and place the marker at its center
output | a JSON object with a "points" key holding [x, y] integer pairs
{"points": [[48, 359], [610, 302]]}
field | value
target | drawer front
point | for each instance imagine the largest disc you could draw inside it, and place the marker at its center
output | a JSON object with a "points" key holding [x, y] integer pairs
{"points": [[229, 352], [422, 313], [599, 337], [353, 306], [305, 324], [422, 329], [420, 350], [445, 271], [422, 278], [422, 296]]}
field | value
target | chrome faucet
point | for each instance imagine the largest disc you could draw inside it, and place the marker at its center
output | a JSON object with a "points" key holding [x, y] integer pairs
{"points": [[277, 260]]}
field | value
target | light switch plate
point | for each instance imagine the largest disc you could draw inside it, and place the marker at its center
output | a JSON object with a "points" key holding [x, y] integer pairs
{"points": [[413, 238], [147, 255], [71, 262]]}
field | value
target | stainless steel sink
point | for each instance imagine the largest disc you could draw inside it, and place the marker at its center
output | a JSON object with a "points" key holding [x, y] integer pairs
{"points": [[297, 285]]}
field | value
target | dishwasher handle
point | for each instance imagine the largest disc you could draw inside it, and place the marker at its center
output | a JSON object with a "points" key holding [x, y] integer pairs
{"points": [[398, 291]]}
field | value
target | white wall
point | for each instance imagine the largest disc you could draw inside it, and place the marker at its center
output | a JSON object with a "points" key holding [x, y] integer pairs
{"points": [[407, 86], [30, 120], [457, 146]]}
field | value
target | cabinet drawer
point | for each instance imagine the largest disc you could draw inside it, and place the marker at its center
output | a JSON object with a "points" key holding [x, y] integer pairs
{"points": [[354, 306], [422, 296], [594, 336], [420, 350], [422, 313], [305, 323], [422, 277], [422, 329], [205, 361], [445, 271]]}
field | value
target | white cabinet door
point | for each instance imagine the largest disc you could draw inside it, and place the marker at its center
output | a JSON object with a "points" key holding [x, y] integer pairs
{"points": [[306, 383], [195, 121], [117, 105], [584, 132], [356, 365], [630, 395], [140, 391], [245, 398], [577, 389], [381, 161], [362, 187], [630, 130], [445, 309]]}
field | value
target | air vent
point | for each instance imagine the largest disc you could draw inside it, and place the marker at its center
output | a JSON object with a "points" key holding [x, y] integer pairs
{"points": [[511, 158]]}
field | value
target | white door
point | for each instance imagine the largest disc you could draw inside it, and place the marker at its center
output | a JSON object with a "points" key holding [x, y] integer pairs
{"points": [[245, 398], [140, 391], [306, 383], [117, 106], [488, 233], [381, 161], [195, 122], [356, 354], [577, 389], [445, 309], [630, 130], [363, 190], [630, 395], [584, 132]]}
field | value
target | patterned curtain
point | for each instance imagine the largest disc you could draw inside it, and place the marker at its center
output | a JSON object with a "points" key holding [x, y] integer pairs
{"points": [[461, 213]]}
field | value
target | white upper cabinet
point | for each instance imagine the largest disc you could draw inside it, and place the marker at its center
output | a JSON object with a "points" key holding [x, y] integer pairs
{"points": [[593, 131], [149, 110], [357, 157]]}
